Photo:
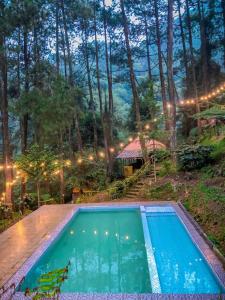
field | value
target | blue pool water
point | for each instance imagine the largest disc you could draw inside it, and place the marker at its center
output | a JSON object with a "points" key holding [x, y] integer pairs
{"points": [[106, 250], [181, 267]]}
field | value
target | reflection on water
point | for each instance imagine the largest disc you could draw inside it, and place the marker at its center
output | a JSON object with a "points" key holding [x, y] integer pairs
{"points": [[181, 267], [106, 251]]}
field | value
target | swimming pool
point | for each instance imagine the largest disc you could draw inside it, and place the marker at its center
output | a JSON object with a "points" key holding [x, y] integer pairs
{"points": [[126, 250], [106, 250], [181, 267]]}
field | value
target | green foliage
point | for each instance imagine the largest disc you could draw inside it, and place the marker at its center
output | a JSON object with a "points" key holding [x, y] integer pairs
{"points": [[161, 155], [163, 192], [49, 285], [194, 157], [5, 211], [37, 163], [167, 168], [215, 112], [89, 174], [120, 187]]}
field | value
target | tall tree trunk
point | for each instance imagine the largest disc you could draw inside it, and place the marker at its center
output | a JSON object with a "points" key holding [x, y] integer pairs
{"points": [[106, 144], [5, 122], [71, 79], [183, 45], [24, 134], [161, 74], [147, 47], [64, 55], [172, 115], [109, 78], [133, 81], [67, 42], [92, 104], [57, 36], [193, 72], [204, 55], [223, 10]]}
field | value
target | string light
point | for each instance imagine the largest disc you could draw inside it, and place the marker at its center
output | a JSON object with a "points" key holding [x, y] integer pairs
{"points": [[121, 145], [101, 154], [130, 139], [79, 161], [112, 150], [91, 157], [147, 126], [214, 93], [68, 163]]}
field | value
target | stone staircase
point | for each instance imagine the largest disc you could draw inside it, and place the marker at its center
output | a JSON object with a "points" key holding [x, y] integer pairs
{"points": [[148, 179]]}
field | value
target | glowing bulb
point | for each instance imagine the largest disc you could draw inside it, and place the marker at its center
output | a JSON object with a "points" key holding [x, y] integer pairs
{"points": [[147, 126], [42, 164], [68, 163], [106, 233], [169, 105], [182, 102], [121, 145], [112, 150], [130, 139], [192, 101], [71, 232], [31, 165], [101, 154], [91, 157], [95, 232], [127, 237], [1, 167], [79, 161]]}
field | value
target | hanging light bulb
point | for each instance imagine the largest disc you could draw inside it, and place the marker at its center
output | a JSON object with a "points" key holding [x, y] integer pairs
{"points": [[101, 154], [112, 150], [147, 126], [130, 139], [121, 145], [79, 161], [91, 157]]}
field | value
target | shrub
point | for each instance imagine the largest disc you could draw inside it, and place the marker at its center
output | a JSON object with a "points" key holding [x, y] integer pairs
{"points": [[161, 155], [167, 168], [194, 157]]}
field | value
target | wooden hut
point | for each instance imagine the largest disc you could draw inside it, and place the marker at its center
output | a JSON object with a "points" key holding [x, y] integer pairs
{"points": [[131, 156]]}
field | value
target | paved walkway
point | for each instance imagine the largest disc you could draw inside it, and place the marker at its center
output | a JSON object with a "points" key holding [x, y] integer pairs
{"points": [[19, 241]]}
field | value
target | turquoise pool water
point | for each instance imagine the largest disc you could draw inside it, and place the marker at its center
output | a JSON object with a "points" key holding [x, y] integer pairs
{"points": [[181, 267], [107, 254]]}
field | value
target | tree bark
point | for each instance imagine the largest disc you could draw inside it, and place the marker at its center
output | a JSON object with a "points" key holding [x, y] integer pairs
{"points": [[57, 36], [71, 79], [172, 115], [109, 78], [194, 80], [147, 47], [161, 74], [204, 55], [24, 134], [136, 98], [5, 122], [106, 144], [223, 10], [183, 45], [92, 104]]}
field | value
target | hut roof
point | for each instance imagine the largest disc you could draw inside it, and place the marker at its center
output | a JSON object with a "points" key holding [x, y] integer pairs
{"points": [[133, 149]]}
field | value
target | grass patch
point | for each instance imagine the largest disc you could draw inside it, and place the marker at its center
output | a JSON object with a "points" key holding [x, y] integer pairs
{"points": [[163, 192]]}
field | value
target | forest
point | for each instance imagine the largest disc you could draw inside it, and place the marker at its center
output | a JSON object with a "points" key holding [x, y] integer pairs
{"points": [[81, 79]]}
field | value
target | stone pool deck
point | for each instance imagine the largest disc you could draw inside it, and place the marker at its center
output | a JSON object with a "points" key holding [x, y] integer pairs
{"points": [[25, 241]]}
